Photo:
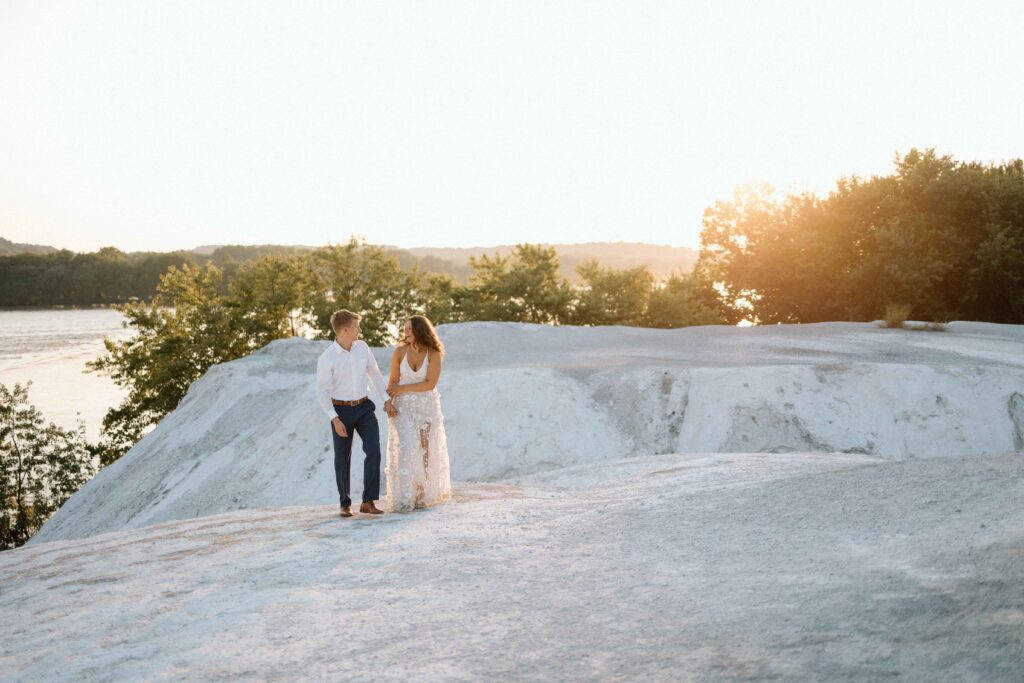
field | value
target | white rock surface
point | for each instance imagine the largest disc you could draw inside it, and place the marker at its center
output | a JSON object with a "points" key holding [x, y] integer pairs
{"points": [[521, 399], [611, 520], [709, 567]]}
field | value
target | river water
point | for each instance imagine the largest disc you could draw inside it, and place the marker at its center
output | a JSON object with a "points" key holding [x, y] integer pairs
{"points": [[50, 348]]}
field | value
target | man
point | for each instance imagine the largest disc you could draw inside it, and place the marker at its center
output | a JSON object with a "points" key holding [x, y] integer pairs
{"points": [[342, 374]]}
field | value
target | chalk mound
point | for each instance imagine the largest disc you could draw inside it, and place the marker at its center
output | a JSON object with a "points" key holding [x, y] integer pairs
{"points": [[521, 399]]}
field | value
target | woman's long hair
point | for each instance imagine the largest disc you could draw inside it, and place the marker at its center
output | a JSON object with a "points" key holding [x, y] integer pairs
{"points": [[424, 334]]}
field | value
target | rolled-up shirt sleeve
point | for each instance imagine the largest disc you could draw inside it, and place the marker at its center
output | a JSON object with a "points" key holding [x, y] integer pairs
{"points": [[324, 377], [373, 370]]}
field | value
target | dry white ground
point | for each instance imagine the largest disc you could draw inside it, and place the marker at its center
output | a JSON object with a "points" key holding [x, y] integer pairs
{"points": [[610, 521]]}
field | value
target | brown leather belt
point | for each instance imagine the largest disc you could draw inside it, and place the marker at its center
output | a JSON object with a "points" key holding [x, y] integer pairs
{"points": [[349, 403]]}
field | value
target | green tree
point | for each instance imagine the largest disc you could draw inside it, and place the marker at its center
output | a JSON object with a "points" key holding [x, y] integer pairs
{"points": [[268, 294], [440, 298], [609, 296], [942, 237], [365, 279], [523, 287], [732, 232], [684, 300], [69, 279], [187, 327], [41, 466]]}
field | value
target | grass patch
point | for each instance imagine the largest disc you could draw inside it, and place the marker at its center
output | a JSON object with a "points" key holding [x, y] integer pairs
{"points": [[895, 315]]}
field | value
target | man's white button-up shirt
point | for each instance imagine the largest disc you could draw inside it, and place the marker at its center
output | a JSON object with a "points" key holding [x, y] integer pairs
{"points": [[345, 375]]}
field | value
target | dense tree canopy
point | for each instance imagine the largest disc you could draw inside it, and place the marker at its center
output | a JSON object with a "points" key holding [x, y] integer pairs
{"points": [[943, 237], [64, 278], [523, 286]]}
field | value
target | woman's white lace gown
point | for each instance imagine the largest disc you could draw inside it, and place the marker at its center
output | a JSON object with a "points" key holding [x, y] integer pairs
{"points": [[418, 472]]}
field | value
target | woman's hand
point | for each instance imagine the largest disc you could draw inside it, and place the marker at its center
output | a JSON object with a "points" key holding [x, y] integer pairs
{"points": [[394, 390]]}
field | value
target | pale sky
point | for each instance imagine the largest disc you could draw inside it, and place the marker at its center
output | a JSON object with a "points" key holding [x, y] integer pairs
{"points": [[164, 125]]}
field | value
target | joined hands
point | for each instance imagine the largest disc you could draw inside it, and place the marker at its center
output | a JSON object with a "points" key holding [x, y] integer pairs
{"points": [[389, 407]]}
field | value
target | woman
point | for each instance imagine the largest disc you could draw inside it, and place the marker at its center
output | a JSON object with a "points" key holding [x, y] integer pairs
{"points": [[417, 459]]}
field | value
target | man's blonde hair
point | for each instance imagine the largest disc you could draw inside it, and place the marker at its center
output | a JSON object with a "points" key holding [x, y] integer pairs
{"points": [[343, 318]]}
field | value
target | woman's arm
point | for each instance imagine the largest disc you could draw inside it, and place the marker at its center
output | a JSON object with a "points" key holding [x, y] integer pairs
{"points": [[396, 366], [433, 374]]}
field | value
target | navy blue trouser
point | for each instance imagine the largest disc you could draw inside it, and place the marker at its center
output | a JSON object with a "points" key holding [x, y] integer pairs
{"points": [[361, 419]]}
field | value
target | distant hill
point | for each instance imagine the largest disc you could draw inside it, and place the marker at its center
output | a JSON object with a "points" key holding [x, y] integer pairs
{"points": [[29, 273], [220, 254], [209, 249], [8, 248], [661, 259]]}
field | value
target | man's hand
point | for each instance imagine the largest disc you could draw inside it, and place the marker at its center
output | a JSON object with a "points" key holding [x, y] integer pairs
{"points": [[339, 428], [389, 408]]}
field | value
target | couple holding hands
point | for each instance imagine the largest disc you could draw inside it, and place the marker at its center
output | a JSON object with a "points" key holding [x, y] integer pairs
{"points": [[417, 467]]}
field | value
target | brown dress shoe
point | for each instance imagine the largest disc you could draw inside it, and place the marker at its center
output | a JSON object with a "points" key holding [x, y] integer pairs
{"points": [[370, 508], [346, 511]]}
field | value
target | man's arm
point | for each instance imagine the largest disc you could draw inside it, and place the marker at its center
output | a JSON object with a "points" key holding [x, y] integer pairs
{"points": [[324, 374], [376, 378]]}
